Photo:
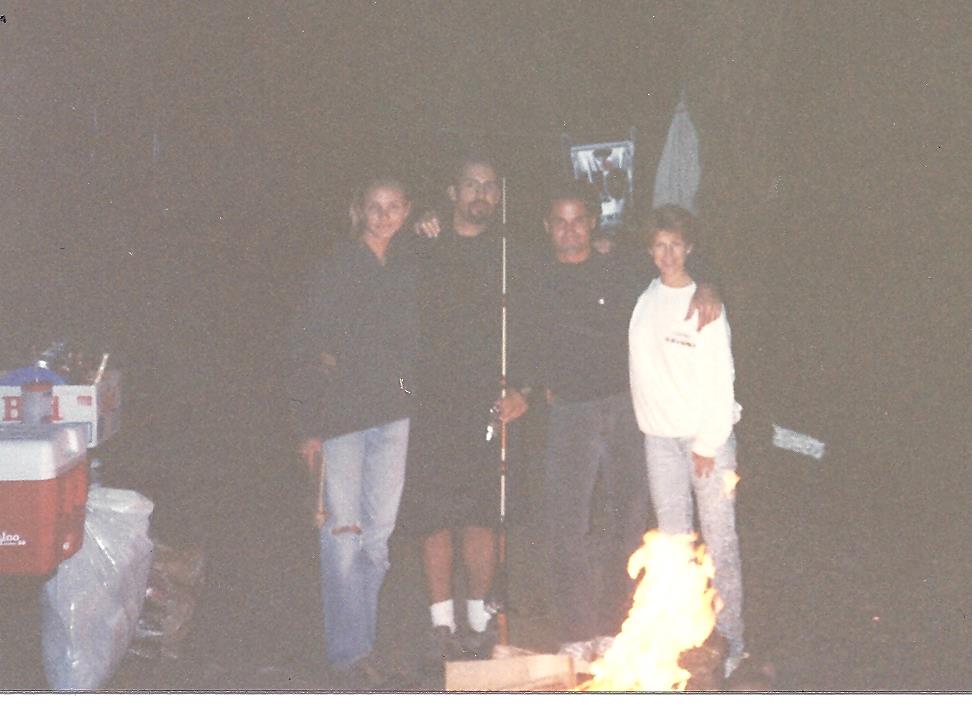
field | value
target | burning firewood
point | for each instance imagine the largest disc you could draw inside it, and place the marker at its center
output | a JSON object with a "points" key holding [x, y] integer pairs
{"points": [[673, 612], [752, 676], [705, 663]]}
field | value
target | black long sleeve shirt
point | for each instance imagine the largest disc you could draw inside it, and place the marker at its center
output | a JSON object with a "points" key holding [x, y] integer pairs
{"points": [[364, 314]]}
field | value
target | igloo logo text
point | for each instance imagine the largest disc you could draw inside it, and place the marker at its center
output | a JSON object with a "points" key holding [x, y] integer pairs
{"points": [[7, 539]]}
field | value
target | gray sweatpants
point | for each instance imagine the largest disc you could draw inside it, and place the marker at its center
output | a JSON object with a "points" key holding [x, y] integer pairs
{"points": [[672, 480]]}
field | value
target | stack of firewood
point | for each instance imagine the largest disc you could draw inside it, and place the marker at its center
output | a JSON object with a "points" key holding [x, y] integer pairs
{"points": [[174, 585], [512, 670], [515, 669]]}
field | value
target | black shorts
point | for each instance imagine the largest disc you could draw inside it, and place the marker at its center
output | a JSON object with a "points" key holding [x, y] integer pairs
{"points": [[452, 478]]}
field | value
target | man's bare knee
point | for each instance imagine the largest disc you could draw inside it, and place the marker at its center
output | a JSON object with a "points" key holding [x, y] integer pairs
{"points": [[337, 530]]}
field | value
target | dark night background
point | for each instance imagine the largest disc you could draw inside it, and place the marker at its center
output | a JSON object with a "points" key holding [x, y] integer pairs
{"points": [[170, 172]]}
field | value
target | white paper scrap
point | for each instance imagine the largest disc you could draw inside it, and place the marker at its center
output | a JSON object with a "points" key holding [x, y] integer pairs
{"points": [[797, 442]]}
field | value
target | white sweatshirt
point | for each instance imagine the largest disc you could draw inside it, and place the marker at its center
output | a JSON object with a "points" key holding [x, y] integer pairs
{"points": [[681, 379]]}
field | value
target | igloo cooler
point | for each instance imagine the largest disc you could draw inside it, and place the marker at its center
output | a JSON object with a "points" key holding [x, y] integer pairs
{"points": [[43, 491]]}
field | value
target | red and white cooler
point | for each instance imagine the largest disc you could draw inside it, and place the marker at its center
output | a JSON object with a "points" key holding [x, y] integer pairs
{"points": [[43, 491]]}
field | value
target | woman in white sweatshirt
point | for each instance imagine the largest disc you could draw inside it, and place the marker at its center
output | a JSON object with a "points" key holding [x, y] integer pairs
{"points": [[682, 387]]}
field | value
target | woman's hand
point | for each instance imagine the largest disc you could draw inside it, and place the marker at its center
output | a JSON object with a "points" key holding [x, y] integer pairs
{"points": [[703, 465], [310, 451]]}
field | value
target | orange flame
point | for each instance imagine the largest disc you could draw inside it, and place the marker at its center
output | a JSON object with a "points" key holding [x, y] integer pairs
{"points": [[729, 480], [674, 610]]}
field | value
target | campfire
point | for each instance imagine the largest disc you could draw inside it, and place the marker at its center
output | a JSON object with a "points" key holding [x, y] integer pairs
{"points": [[730, 480], [673, 612], [667, 643]]}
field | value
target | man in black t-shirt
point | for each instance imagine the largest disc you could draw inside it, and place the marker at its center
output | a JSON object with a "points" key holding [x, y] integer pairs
{"points": [[452, 491]]}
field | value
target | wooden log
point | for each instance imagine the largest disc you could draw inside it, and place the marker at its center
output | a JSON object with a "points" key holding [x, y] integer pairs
{"points": [[706, 663], [525, 673]]}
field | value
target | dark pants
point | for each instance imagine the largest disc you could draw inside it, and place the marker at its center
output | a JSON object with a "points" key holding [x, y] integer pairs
{"points": [[590, 545]]}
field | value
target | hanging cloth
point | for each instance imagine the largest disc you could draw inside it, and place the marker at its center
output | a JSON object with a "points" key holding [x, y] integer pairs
{"points": [[679, 170]]}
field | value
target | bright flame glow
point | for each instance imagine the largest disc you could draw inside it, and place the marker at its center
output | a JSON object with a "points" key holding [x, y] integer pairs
{"points": [[674, 610], [730, 479]]}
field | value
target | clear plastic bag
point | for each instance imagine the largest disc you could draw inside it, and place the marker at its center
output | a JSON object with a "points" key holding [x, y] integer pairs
{"points": [[90, 607]]}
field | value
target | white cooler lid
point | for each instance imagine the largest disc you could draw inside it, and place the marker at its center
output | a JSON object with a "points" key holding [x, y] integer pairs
{"points": [[38, 452]]}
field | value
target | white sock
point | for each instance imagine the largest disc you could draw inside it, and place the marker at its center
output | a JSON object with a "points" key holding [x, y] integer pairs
{"points": [[443, 614], [477, 615]]}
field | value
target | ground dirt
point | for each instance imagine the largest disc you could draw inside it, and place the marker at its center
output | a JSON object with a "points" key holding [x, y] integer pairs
{"points": [[852, 577]]}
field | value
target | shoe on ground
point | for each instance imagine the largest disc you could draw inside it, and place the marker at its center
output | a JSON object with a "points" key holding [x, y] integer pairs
{"points": [[443, 646], [366, 675], [478, 645], [752, 675]]}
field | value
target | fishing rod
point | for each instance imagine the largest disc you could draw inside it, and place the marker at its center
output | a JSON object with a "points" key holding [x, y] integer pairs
{"points": [[501, 620]]}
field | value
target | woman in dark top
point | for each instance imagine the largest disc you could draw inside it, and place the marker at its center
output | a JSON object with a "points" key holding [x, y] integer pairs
{"points": [[355, 352]]}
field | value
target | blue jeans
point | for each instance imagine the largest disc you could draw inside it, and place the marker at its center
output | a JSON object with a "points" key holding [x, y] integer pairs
{"points": [[672, 479], [364, 475], [585, 439]]}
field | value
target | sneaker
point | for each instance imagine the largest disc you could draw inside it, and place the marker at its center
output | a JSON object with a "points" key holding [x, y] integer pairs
{"points": [[752, 675], [444, 646], [478, 645], [366, 675]]}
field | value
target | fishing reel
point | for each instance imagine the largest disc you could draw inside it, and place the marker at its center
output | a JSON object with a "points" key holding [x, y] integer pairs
{"points": [[493, 424]]}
